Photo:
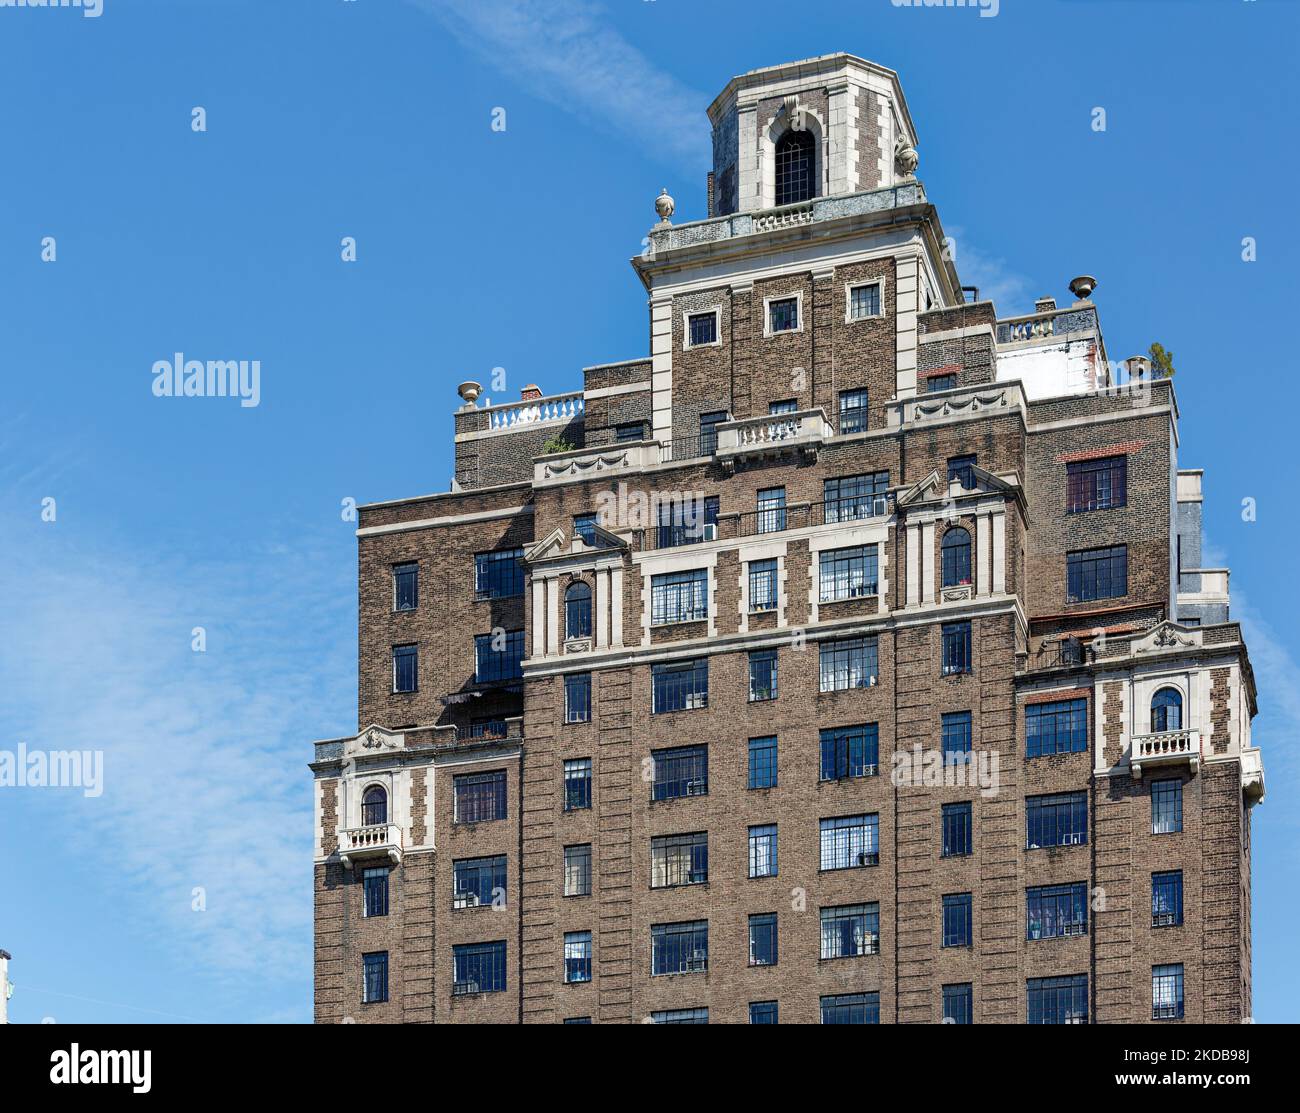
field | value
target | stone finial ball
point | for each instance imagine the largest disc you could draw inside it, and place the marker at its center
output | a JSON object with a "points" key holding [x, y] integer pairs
{"points": [[664, 205]]}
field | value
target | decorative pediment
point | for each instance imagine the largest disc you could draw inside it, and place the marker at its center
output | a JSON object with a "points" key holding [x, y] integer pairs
{"points": [[936, 488], [1167, 637], [373, 740], [557, 544]]}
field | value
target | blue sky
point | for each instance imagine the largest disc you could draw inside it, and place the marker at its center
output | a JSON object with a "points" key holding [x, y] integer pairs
{"points": [[478, 249]]}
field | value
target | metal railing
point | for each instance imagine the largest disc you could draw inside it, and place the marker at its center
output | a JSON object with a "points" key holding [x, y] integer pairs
{"points": [[757, 523]]}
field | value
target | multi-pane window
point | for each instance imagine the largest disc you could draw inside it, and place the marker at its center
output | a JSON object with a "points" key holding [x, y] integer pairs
{"points": [[577, 610], [955, 729], [936, 383], [681, 771], [1167, 898], [679, 597], [1058, 1000], [853, 411], [478, 968], [679, 860], [962, 469], [762, 762], [478, 797], [850, 752], [1096, 484], [577, 784], [762, 939], [763, 1012], [406, 668], [478, 881], [406, 586], [850, 930], [577, 1020], [709, 431], [851, 1008], [577, 870], [785, 406], [958, 1004], [1056, 910], [686, 521], [703, 328], [500, 573], [848, 663], [1097, 574], [957, 842], [782, 315], [374, 983], [957, 920], [629, 431], [584, 526], [848, 573], [771, 510], [762, 674], [1166, 807], [763, 585], [1060, 820], [680, 1016], [679, 948], [796, 167], [1167, 710], [854, 497], [956, 648], [577, 697], [374, 806], [680, 686], [1167, 992], [850, 841], [954, 551], [577, 956], [864, 301], [498, 656], [762, 851], [1060, 727], [374, 883]]}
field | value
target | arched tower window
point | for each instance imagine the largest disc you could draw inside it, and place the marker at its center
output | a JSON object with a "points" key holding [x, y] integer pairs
{"points": [[796, 167], [1167, 710], [577, 611], [374, 806], [956, 557]]}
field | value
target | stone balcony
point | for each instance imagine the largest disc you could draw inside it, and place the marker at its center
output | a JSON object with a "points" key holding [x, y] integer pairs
{"points": [[379, 840], [1164, 749], [802, 431]]}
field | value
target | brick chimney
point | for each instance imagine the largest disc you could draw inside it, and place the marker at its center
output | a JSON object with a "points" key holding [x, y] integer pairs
{"points": [[530, 393], [1044, 305]]}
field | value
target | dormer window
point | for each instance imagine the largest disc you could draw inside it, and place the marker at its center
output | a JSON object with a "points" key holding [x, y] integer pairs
{"points": [[795, 168]]}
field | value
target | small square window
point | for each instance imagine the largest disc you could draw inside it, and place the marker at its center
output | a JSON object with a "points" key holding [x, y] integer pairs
{"points": [[702, 329], [864, 301], [936, 383], [782, 315], [629, 431]]}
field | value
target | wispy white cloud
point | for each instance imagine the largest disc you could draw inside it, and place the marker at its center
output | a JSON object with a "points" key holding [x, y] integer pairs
{"points": [[998, 282], [568, 53]]}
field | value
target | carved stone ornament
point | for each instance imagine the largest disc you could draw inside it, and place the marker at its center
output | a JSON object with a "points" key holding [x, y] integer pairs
{"points": [[665, 206], [905, 157]]}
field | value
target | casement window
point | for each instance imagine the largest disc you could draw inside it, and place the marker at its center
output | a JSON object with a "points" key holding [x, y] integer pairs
{"points": [[584, 526], [956, 822], [680, 686], [958, 1004], [679, 597], [1097, 574], [629, 431], [1167, 710], [1052, 911], [1167, 992], [848, 752], [962, 469], [957, 927], [762, 939], [679, 860], [954, 551], [763, 589], [848, 573], [796, 167], [702, 329], [785, 406], [762, 762], [1166, 807], [577, 610], [478, 968], [681, 948], [374, 807], [851, 1008], [406, 668], [956, 648], [853, 498], [500, 573], [1096, 484], [374, 980], [762, 851], [498, 656], [478, 797], [1060, 727], [680, 1016], [955, 730], [1057, 1000], [848, 663], [577, 697], [406, 586], [864, 301], [850, 841], [374, 883], [1060, 820], [577, 784], [1167, 898], [763, 1012], [477, 882], [782, 315], [686, 521], [709, 431], [850, 930], [762, 675], [680, 771], [935, 383], [577, 870], [771, 510], [853, 411], [577, 956]]}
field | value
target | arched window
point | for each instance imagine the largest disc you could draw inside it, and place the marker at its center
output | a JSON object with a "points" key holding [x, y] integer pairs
{"points": [[577, 611], [796, 167], [1167, 710], [374, 806], [956, 557]]}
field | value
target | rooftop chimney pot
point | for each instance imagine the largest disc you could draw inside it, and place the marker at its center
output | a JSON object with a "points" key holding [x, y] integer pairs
{"points": [[530, 392]]}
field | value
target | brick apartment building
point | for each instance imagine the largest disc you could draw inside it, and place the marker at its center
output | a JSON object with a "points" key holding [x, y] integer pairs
{"points": [[848, 658]]}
